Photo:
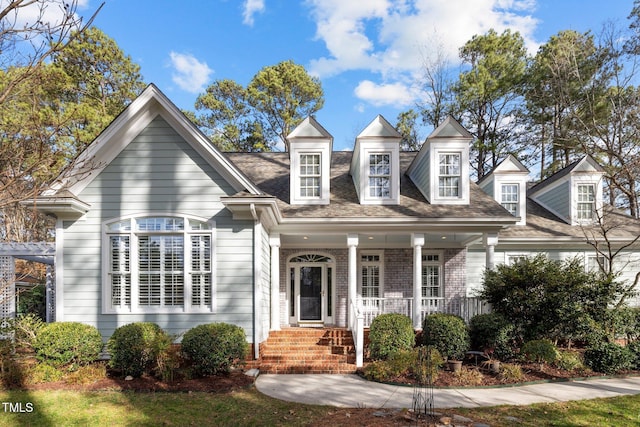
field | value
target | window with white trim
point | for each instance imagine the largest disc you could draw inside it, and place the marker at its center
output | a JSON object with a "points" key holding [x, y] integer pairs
{"points": [[597, 264], [370, 275], [380, 175], [586, 202], [449, 175], [509, 198], [310, 175], [513, 259], [159, 264], [432, 276]]}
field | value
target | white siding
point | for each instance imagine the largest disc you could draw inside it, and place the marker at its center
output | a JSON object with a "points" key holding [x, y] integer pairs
{"points": [[158, 173]]}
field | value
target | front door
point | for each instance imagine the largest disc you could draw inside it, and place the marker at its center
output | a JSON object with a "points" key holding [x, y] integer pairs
{"points": [[311, 293]]}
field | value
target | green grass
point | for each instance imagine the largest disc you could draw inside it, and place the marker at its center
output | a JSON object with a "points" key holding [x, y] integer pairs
{"points": [[250, 408]]}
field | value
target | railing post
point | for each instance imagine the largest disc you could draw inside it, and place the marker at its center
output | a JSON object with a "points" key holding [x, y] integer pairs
{"points": [[360, 341], [417, 241]]}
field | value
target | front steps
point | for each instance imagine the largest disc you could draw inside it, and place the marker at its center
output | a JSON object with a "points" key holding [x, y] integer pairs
{"points": [[307, 351]]}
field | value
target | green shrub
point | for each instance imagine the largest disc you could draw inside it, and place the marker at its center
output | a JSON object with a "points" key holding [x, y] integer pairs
{"points": [[540, 351], [608, 358], [569, 361], [213, 348], [390, 333], [378, 370], [493, 334], [68, 344], [634, 348], [447, 333], [135, 348]]}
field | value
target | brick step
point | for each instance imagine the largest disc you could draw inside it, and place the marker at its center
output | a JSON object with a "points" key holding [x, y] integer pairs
{"points": [[307, 350]]}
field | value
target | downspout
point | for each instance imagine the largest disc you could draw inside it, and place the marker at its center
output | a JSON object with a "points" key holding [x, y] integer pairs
{"points": [[256, 260]]}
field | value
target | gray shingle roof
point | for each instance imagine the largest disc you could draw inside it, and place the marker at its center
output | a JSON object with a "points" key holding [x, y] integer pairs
{"points": [[270, 172]]}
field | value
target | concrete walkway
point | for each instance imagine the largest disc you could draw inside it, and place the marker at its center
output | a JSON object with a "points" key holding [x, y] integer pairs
{"points": [[351, 391]]}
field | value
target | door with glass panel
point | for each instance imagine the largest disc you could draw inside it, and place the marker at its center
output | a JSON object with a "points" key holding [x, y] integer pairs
{"points": [[311, 290]]}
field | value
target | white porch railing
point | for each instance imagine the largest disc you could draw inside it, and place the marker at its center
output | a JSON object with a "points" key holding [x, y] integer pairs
{"points": [[356, 324], [366, 309], [465, 307]]}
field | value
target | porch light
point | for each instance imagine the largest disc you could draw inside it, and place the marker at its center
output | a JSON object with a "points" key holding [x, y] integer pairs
{"points": [[444, 237], [305, 237], [370, 237]]}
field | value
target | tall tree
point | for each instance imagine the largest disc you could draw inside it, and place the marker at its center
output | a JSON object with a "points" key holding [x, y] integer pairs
{"points": [[228, 119], [559, 81], [487, 93], [101, 81], [282, 96], [31, 32], [437, 87], [56, 113], [259, 116], [407, 127]]}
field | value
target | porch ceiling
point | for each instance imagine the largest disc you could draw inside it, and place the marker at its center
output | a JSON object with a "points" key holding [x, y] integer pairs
{"points": [[376, 240]]}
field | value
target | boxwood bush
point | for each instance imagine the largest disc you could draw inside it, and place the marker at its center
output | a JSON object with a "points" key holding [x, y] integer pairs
{"points": [[447, 333], [390, 333], [68, 344], [135, 347], [540, 351], [214, 347], [608, 358], [493, 334]]}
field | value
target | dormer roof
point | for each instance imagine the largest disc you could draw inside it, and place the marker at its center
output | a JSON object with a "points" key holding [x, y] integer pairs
{"points": [[585, 164], [309, 128], [379, 128]]}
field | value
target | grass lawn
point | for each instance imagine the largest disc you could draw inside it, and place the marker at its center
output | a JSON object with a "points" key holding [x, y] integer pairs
{"points": [[249, 407]]}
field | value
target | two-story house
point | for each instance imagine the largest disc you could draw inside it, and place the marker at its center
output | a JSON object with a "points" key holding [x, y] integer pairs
{"points": [[155, 224]]}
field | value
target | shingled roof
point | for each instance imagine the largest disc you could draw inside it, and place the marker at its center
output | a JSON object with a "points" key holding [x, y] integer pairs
{"points": [[270, 172]]}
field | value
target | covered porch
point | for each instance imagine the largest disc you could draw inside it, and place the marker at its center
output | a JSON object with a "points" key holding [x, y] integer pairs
{"points": [[346, 280]]}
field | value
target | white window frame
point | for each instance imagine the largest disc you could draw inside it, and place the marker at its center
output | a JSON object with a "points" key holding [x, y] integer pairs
{"points": [[429, 261], [585, 215], [591, 263], [366, 263], [304, 174], [449, 174], [377, 175], [512, 202], [192, 270], [511, 258]]}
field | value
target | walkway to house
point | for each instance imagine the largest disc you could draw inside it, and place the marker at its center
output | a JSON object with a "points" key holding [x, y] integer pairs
{"points": [[351, 391]]}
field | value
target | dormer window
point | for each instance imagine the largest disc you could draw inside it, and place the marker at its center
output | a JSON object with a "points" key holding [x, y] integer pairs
{"points": [[586, 202], [310, 176], [449, 175], [310, 156], [380, 175], [375, 164], [509, 197]]}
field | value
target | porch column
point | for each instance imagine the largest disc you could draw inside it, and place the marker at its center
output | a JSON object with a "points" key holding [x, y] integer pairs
{"points": [[352, 243], [490, 241], [274, 243], [417, 241]]}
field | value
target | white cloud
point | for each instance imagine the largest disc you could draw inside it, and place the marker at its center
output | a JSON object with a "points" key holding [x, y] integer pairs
{"points": [[391, 37], [189, 74], [396, 94], [250, 8]]}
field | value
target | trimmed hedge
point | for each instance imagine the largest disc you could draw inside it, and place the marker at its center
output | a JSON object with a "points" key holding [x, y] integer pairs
{"points": [[447, 333], [68, 344], [213, 348], [608, 358], [540, 351], [390, 333], [135, 347]]}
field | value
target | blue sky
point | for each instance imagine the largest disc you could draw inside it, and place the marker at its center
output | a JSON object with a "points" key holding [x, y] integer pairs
{"points": [[367, 53]]}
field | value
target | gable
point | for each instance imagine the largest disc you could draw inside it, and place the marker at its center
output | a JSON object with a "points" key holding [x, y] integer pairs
{"points": [[157, 171], [149, 105]]}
